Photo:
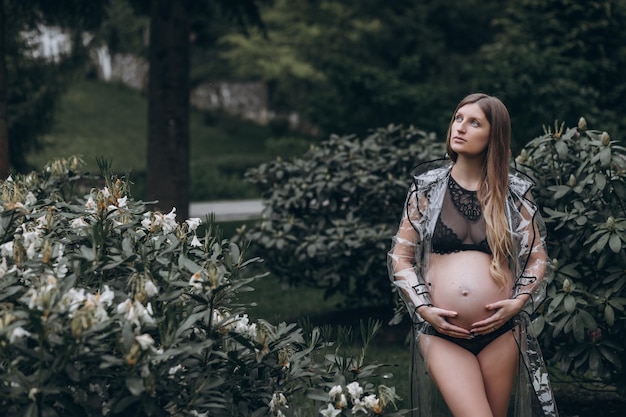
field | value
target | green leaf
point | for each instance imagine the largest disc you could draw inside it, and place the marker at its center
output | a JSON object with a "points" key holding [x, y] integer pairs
{"points": [[595, 360], [135, 385], [578, 329], [561, 148], [569, 303], [605, 156], [601, 243], [609, 315], [554, 304], [615, 243], [560, 191], [611, 356]]}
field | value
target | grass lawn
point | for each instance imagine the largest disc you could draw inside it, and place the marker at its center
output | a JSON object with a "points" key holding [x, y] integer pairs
{"points": [[95, 119]]}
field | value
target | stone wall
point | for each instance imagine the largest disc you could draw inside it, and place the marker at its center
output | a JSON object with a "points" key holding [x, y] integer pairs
{"points": [[248, 100]]}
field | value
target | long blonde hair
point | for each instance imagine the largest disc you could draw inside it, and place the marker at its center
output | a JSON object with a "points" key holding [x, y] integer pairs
{"points": [[495, 180]]}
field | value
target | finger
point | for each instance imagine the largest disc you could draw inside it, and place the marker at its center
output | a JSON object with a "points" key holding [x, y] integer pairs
{"points": [[494, 306], [458, 330]]}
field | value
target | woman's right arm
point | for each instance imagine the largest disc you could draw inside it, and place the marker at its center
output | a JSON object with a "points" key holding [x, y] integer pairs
{"points": [[402, 259]]}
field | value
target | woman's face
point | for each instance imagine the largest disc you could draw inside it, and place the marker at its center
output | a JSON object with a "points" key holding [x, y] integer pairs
{"points": [[469, 133]]}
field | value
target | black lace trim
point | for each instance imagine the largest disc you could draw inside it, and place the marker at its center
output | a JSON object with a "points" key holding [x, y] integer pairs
{"points": [[447, 235], [466, 201]]}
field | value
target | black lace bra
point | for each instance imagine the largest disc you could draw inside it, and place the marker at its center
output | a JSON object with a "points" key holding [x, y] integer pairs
{"points": [[461, 225]]}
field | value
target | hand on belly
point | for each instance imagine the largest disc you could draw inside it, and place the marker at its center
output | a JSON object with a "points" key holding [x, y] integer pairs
{"points": [[468, 296], [461, 282], [468, 304]]}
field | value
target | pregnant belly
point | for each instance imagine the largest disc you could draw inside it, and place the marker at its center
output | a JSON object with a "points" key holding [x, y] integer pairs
{"points": [[461, 282]]}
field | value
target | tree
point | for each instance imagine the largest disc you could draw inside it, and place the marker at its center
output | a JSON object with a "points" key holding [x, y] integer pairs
{"points": [[558, 60], [168, 84], [4, 133], [350, 66], [168, 106]]}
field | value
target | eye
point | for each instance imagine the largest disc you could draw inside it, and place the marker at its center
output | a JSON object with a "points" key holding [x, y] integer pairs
{"points": [[458, 118], [475, 123]]}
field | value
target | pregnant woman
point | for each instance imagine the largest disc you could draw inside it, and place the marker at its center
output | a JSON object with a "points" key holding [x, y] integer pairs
{"points": [[470, 263]]}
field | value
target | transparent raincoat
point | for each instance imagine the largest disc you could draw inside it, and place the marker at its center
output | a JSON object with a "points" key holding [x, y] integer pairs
{"points": [[408, 265]]}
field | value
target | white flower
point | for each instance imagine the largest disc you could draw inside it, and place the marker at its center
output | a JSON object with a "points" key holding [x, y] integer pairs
{"points": [[355, 390], [217, 317], [334, 392], [150, 288], [18, 333], [343, 401], [146, 222], [357, 406], [60, 269], [74, 298], [196, 281], [330, 411], [106, 193], [169, 222], [193, 223], [195, 242], [30, 199], [106, 297], [371, 401], [175, 369], [243, 327], [6, 249], [3, 267], [135, 312], [90, 205], [122, 201], [32, 394], [278, 400], [145, 341]]}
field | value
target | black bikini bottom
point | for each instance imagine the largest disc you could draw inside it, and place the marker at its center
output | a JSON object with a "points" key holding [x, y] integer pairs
{"points": [[476, 343]]}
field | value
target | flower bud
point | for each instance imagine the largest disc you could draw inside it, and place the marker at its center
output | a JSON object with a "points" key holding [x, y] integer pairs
{"points": [[582, 123], [605, 139], [555, 262], [572, 181], [567, 285], [610, 223]]}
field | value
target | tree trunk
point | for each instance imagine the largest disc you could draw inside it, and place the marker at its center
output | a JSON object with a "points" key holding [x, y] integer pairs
{"points": [[4, 123], [168, 107]]}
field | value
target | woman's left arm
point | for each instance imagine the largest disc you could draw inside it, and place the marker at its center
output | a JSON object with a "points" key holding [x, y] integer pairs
{"points": [[533, 263]]}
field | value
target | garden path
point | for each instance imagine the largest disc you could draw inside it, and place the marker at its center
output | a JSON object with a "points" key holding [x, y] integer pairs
{"points": [[227, 210]]}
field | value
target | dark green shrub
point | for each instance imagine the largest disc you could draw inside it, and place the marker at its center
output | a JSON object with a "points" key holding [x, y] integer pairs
{"points": [[581, 176], [331, 213]]}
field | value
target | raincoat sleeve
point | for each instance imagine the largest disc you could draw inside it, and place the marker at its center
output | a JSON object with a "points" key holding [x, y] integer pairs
{"points": [[403, 259], [533, 263]]}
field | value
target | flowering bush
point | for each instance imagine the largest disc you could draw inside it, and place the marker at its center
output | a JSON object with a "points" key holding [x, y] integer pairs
{"points": [[581, 176], [108, 308]]}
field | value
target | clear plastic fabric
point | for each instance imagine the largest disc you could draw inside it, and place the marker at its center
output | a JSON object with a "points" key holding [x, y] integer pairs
{"points": [[408, 261]]}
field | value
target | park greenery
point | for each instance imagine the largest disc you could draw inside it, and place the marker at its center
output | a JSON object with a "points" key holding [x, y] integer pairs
{"points": [[110, 308]]}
